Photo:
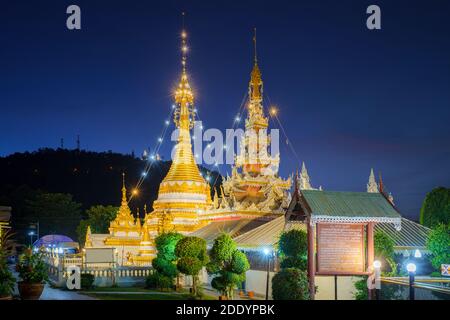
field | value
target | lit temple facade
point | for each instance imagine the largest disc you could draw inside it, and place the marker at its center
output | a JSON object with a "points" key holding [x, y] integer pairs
{"points": [[252, 196], [254, 188], [183, 194], [125, 233]]}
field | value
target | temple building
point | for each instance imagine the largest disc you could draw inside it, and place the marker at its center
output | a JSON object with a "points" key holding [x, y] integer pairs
{"points": [[252, 196], [254, 189], [125, 232]]}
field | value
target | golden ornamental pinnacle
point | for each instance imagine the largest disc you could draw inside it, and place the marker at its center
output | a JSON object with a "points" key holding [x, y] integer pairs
{"points": [[184, 97], [256, 84], [124, 190]]}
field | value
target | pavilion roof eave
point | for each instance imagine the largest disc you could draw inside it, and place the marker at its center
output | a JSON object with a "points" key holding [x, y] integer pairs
{"points": [[317, 217]]}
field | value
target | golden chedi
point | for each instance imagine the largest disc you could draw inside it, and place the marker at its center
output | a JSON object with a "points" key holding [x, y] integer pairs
{"points": [[183, 193], [124, 229]]}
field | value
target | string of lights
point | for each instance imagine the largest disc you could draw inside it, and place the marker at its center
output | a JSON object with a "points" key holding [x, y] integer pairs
{"points": [[235, 123], [273, 113], [153, 157]]}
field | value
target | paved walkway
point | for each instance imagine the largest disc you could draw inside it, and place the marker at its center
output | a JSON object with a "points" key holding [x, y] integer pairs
{"points": [[58, 294]]}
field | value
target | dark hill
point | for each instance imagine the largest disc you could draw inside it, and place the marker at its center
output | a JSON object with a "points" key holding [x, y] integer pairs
{"points": [[93, 178]]}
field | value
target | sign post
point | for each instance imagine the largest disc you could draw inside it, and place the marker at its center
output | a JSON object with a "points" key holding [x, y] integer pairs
{"points": [[340, 249], [311, 261]]}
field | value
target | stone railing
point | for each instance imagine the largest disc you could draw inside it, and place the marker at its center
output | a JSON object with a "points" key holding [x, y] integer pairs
{"points": [[106, 274]]}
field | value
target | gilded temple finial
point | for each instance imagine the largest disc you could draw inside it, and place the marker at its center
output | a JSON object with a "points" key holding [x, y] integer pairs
{"points": [[184, 97], [124, 189], [254, 43], [256, 84]]}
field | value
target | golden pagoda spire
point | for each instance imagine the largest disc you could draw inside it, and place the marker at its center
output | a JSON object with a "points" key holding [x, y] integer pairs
{"points": [[184, 97], [254, 42], [256, 119], [124, 209], [183, 194], [256, 84], [88, 240], [184, 167], [124, 190]]}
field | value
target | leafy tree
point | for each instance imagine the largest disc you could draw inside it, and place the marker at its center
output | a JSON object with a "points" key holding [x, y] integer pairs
{"points": [[165, 261], [56, 212], [228, 264], [290, 284], [436, 207], [293, 249], [438, 243], [384, 249], [192, 257], [54, 205], [98, 218]]}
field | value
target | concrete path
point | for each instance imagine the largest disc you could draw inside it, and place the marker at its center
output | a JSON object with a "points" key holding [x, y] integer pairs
{"points": [[135, 292], [58, 294]]}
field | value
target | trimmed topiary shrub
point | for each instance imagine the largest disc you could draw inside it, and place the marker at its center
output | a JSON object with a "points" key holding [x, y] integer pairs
{"points": [[228, 265], [290, 284], [292, 249]]}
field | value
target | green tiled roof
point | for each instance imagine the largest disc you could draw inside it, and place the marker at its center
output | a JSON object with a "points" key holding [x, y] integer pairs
{"points": [[349, 204]]}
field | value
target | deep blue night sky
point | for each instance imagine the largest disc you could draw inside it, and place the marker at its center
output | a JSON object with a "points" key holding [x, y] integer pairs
{"points": [[349, 98]]}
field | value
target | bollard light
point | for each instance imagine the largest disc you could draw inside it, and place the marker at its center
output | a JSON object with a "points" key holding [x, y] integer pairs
{"points": [[411, 267], [377, 264]]}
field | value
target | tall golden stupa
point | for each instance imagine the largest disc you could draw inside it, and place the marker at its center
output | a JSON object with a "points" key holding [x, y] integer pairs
{"points": [[184, 193]]}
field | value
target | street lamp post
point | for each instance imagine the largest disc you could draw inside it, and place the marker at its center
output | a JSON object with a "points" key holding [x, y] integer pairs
{"points": [[377, 270], [31, 234], [267, 253], [411, 267]]}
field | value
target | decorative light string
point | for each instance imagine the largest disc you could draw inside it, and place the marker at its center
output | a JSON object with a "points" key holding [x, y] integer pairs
{"points": [[153, 156], [273, 113]]}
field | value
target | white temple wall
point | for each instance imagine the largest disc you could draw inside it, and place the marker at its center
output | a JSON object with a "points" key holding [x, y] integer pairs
{"points": [[345, 288], [256, 282]]}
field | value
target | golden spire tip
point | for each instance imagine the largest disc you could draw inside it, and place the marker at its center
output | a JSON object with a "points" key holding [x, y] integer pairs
{"points": [[254, 42]]}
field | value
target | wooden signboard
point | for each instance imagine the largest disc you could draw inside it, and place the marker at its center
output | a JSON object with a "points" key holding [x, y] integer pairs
{"points": [[340, 249]]}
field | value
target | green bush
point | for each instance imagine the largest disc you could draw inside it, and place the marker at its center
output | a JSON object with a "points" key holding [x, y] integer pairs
{"points": [[157, 280], [228, 264], [438, 243], [290, 284], [293, 248], [294, 262], [362, 292], [87, 281]]}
